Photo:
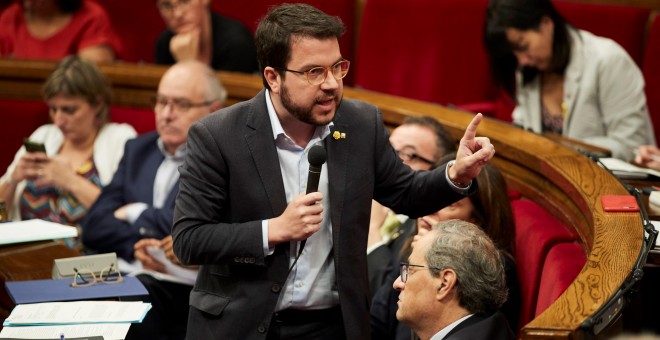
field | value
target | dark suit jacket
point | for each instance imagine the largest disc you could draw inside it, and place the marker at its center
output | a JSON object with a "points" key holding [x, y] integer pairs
{"points": [[477, 327], [133, 182], [385, 326], [386, 258], [232, 46], [231, 181]]}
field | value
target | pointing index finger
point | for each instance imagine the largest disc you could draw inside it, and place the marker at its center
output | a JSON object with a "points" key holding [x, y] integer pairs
{"points": [[471, 131]]}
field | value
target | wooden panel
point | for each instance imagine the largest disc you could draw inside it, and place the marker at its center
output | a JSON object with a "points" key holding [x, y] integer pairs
{"points": [[27, 261], [561, 180]]}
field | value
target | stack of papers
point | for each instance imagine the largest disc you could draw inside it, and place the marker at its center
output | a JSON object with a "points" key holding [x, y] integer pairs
{"points": [[110, 319], [34, 230], [626, 170]]}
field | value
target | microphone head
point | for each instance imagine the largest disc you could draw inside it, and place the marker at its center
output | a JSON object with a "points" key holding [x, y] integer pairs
{"points": [[316, 155]]}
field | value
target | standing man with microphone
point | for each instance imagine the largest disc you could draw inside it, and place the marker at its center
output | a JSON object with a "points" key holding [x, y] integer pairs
{"points": [[241, 212]]}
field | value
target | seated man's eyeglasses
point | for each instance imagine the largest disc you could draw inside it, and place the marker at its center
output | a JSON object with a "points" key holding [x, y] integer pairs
{"points": [[84, 278], [405, 270], [318, 75], [178, 105], [169, 6], [411, 156]]}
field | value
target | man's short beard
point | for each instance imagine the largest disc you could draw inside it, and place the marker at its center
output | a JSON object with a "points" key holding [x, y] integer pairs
{"points": [[304, 114]]}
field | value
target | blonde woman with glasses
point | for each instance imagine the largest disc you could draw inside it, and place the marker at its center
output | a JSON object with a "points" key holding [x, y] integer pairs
{"points": [[82, 150]]}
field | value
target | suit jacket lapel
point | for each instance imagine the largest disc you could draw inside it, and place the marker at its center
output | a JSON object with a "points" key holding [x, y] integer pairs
{"points": [[259, 139], [572, 76], [337, 166], [150, 170]]}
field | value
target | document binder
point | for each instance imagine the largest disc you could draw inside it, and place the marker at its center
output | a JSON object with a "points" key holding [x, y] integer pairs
{"points": [[22, 292]]}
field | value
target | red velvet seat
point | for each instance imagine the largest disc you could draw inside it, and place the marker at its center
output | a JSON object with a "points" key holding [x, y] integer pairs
{"points": [[138, 24], [345, 9], [651, 71], [433, 53], [536, 233], [20, 118], [624, 24], [562, 265], [142, 120]]}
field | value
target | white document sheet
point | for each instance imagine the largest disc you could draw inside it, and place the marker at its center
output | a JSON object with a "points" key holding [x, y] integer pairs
{"points": [[627, 170], [34, 230], [78, 312], [116, 331], [174, 272]]}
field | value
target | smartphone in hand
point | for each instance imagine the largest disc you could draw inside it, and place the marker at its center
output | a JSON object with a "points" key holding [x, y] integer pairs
{"points": [[31, 146]]}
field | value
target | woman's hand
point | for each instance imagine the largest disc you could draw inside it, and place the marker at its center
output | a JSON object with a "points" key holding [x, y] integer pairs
{"points": [[29, 167], [648, 156], [57, 172], [185, 46]]}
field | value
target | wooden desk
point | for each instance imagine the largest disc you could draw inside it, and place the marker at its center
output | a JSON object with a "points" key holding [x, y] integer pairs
{"points": [[27, 261], [562, 181]]}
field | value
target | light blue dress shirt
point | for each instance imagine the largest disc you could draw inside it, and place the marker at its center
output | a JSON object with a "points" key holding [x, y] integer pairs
{"points": [[311, 283]]}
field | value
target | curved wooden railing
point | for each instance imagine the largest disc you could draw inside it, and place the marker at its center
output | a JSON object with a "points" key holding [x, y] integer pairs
{"points": [[562, 181]]}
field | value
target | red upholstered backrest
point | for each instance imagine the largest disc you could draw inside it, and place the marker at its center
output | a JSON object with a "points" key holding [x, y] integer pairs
{"points": [[651, 70], [19, 119], [142, 120], [250, 13], [138, 24], [536, 233], [562, 265], [430, 50], [624, 24]]}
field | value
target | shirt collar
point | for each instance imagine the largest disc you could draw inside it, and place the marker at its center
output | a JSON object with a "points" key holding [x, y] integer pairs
{"points": [[321, 131], [443, 332], [179, 154]]}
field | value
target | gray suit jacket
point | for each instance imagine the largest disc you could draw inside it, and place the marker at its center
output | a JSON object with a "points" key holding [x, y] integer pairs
{"points": [[231, 181], [604, 97]]}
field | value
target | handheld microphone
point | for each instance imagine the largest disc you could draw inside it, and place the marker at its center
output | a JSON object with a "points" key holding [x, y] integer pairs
{"points": [[316, 157]]}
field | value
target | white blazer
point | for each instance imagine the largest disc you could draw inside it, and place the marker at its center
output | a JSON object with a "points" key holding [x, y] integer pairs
{"points": [[603, 94], [108, 151]]}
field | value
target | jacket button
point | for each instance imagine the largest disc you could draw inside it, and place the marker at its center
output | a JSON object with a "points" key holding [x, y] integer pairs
{"points": [[276, 288], [261, 329]]}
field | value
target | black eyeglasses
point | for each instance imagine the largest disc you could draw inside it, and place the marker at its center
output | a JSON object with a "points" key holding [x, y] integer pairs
{"points": [[84, 278], [168, 7], [405, 270], [318, 75], [411, 156], [179, 105]]}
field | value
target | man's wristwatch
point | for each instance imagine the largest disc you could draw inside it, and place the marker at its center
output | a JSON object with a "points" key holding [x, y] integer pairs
{"points": [[457, 184]]}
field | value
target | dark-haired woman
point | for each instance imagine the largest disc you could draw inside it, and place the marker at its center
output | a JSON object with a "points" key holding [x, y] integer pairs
{"points": [[53, 29], [566, 80]]}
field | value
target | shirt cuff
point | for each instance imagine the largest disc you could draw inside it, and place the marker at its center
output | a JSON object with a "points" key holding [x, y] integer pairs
{"points": [[134, 210], [375, 246], [462, 191], [264, 238]]}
